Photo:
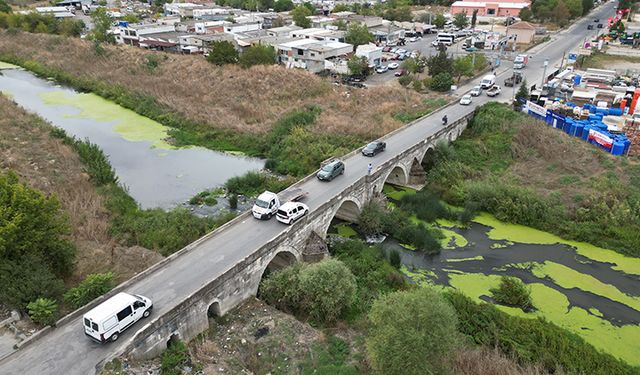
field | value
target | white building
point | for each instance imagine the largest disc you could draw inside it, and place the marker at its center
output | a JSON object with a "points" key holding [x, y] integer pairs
{"points": [[132, 34], [57, 12], [310, 54], [371, 52]]}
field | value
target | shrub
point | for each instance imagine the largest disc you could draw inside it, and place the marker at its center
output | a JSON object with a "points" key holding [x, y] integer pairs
{"points": [[371, 218], [441, 82], [205, 197], [253, 183], [417, 85], [90, 288], [26, 280], [174, 358], [394, 259], [257, 55], [420, 237], [97, 164], [43, 311], [222, 52], [233, 201], [532, 340], [412, 332], [513, 292], [324, 291], [405, 80]]}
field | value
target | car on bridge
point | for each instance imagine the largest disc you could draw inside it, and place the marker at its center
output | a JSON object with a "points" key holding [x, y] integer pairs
{"points": [[465, 100], [268, 203], [476, 91], [331, 171], [374, 148], [291, 211], [109, 319]]}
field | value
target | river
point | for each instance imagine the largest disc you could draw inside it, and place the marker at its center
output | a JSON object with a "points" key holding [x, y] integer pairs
{"points": [[155, 173], [590, 291]]}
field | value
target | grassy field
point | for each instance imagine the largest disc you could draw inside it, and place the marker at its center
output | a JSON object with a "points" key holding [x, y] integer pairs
{"points": [[247, 101], [604, 61]]}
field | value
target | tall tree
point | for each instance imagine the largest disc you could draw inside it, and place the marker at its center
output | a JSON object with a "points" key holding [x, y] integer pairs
{"points": [[561, 13], [440, 63], [522, 95], [299, 15], [222, 53], [101, 26], [358, 65], [460, 20], [474, 18], [526, 14], [358, 34], [463, 66], [283, 5], [587, 5], [439, 21], [574, 7]]}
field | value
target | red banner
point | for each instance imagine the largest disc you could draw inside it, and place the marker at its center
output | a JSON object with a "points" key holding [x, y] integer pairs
{"points": [[601, 139]]}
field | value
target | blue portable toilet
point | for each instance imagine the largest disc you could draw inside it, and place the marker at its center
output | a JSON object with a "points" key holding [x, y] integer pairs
{"points": [[617, 148], [615, 112], [579, 129], [577, 79], [585, 132]]}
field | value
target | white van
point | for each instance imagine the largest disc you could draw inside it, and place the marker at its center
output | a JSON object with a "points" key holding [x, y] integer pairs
{"points": [[109, 319], [488, 81]]}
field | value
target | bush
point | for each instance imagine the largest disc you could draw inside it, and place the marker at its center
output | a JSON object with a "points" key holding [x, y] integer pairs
{"points": [[174, 358], [419, 237], [26, 280], [252, 183], [324, 291], [233, 201], [441, 82], [532, 340], [43, 311], [405, 80], [90, 288], [513, 292], [258, 55], [394, 259], [417, 85], [371, 220], [411, 332], [204, 198]]}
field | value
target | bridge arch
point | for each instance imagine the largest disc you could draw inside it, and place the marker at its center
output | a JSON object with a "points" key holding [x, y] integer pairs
{"points": [[348, 210], [214, 309], [397, 176], [428, 159]]}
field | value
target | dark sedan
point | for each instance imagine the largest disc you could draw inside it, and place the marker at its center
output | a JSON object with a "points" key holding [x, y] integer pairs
{"points": [[374, 148]]}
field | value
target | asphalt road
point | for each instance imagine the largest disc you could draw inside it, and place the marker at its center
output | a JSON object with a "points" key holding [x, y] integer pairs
{"points": [[65, 350]]}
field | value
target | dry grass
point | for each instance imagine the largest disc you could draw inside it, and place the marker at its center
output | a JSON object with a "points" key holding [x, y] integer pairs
{"points": [[484, 361], [46, 164], [222, 97]]}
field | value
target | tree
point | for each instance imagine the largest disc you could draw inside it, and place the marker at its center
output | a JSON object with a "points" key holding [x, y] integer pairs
{"points": [[522, 95], [299, 15], [4, 7], [283, 5], [587, 5], [90, 288], [222, 52], [400, 14], [574, 7], [463, 66], [257, 55], [340, 8], [561, 13], [411, 332], [440, 62], [26, 280], [460, 20], [474, 18], [340, 24], [525, 14], [278, 22], [439, 21], [358, 65], [69, 27], [43, 311], [513, 292], [358, 34], [413, 65], [441, 82], [543, 10], [131, 18], [101, 27]]}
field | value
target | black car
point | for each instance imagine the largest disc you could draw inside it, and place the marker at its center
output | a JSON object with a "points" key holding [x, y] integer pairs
{"points": [[599, 26], [331, 171], [596, 20], [590, 27], [374, 148]]}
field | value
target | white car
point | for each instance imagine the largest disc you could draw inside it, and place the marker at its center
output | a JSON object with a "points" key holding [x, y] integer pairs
{"points": [[476, 91], [382, 69], [393, 66], [465, 100], [291, 211]]}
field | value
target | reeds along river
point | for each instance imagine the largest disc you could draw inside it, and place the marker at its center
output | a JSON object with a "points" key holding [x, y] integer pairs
{"points": [[590, 291], [155, 173]]}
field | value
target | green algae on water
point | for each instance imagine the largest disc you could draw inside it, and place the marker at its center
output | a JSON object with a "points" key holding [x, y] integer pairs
{"points": [[4, 65], [479, 257], [130, 125], [396, 192], [554, 306], [344, 230], [522, 234]]}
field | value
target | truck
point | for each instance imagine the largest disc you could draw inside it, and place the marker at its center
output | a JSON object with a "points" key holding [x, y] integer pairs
{"points": [[268, 203], [493, 91], [520, 61], [515, 79]]}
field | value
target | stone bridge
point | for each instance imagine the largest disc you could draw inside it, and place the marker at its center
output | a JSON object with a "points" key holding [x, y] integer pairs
{"points": [[303, 240]]}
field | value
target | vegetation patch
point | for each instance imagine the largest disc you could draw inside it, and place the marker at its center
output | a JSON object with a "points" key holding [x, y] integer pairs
{"points": [[513, 292], [251, 184]]}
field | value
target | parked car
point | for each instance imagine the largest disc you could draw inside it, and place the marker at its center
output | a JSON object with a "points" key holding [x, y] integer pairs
{"points": [[471, 49], [331, 171], [599, 26], [476, 91], [382, 69], [109, 319], [413, 39], [515, 79], [466, 99], [400, 72], [393, 66], [291, 211], [374, 148]]}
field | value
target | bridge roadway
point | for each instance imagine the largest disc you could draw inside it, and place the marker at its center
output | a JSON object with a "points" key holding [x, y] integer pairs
{"points": [[66, 351]]}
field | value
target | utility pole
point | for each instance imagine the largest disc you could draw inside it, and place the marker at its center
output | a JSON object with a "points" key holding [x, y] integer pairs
{"points": [[544, 73], [473, 60], [562, 61]]}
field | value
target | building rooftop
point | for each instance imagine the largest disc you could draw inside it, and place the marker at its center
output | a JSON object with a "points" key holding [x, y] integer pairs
{"points": [[482, 4], [522, 25]]}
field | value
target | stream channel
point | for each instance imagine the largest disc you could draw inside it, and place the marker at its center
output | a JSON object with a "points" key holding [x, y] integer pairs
{"points": [[590, 291], [155, 173]]}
